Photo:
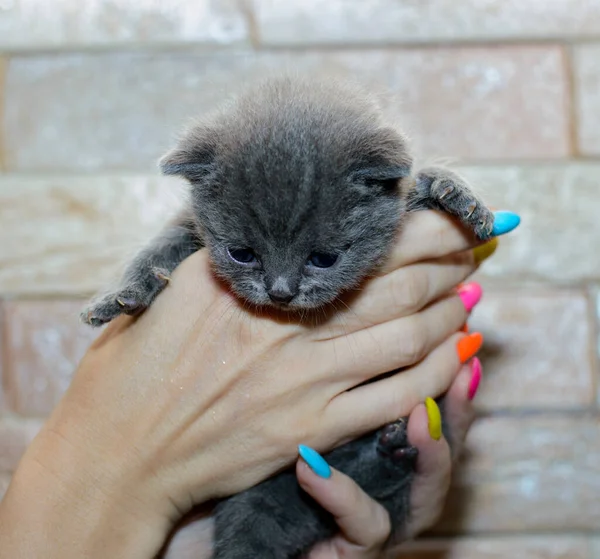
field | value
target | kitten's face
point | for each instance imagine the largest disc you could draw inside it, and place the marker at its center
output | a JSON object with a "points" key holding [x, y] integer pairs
{"points": [[300, 257], [297, 202]]}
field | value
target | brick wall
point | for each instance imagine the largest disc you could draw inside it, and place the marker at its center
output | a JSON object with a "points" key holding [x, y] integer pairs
{"points": [[92, 92]]}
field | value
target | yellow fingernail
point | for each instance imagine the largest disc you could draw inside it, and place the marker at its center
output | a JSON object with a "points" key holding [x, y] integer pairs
{"points": [[435, 419], [486, 250]]}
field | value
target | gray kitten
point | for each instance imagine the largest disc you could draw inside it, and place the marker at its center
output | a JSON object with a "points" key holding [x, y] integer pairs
{"points": [[297, 190]]}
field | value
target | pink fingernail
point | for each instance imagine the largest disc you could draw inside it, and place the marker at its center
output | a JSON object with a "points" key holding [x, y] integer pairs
{"points": [[475, 377], [470, 294]]}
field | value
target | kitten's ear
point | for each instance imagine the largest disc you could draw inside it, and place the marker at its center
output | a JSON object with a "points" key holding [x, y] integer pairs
{"points": [[193, 158], [385, 160], [385, 177]]}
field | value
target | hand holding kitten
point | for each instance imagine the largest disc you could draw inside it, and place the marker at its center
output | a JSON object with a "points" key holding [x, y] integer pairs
{"points": [[297, 189], [188, 402], [364, 525]]}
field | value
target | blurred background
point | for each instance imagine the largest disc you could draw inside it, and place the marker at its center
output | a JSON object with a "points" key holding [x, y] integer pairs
{"points": [[92, 92]]}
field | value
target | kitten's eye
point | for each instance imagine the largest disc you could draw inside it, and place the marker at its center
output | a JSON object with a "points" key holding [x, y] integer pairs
{"points": [[242, 255], [322, 260]]}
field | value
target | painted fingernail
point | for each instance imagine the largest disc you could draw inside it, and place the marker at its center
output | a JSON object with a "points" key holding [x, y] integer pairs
{"points": [[315, 461], [435, 419], [470, 294], [482, 252], [468, 346], [475, 377], [505, 222]]}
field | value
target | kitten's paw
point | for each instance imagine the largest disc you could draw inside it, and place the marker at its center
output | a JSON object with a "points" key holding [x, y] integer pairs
{"points": [[112, 305], [392, 441], [131, 300], [440, 188]]}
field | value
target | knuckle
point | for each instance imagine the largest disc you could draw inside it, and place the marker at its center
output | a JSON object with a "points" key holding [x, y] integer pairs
{"points": [[410, 292], [381, 527], [414, 342]]}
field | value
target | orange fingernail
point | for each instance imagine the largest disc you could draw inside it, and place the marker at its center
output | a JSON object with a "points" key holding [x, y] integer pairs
{"points": [[468, 346]]}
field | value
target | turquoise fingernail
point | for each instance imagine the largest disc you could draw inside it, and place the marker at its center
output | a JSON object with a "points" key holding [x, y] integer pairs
{"points": [[505, 222], [315, 461]]}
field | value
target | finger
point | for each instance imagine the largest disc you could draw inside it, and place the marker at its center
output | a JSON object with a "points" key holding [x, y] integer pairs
{"points": [[431, 234], [364, 524], [369, 406], [427, 235], [433, 472], [401, 293], [434, 463], [458, 408], [397, 343], [191, 540]]}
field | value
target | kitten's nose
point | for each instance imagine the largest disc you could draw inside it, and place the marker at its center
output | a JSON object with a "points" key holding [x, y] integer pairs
{"points": [[279, 291], [280, 296]]}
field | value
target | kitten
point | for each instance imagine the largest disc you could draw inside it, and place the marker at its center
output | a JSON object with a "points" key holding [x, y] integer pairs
{"points": [[297, 190]]}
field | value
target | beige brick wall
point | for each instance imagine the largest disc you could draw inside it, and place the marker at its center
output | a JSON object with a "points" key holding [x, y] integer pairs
{"points": [[93, 91]]}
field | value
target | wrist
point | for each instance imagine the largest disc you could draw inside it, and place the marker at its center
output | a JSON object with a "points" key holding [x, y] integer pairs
{"points": [[66, 501]]}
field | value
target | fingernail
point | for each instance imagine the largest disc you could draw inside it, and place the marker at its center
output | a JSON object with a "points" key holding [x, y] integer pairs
{"points": [[468, 346], [470, 294], [482, 252], [475, 377], [505, 222], [315, 461], [435, 419], [465, 328]]}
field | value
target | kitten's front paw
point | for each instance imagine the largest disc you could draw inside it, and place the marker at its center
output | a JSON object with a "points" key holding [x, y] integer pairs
{"points": [[131, 300], [451, 193], [393, 442], [112, 305]]}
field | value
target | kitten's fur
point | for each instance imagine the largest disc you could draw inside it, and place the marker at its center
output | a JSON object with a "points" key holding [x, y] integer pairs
{"points": [[288, 169]]}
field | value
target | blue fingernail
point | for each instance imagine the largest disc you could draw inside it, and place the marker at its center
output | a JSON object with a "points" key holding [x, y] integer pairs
{"points": [[315, 461], [505, 222]]}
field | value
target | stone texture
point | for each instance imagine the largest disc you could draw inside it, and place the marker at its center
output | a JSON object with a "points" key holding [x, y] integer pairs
{"points": [[587, 87], [15, 436], [526, 474], [36, 24], [529, 547], [121, 111], [3, 402], [595, 295], [538, 350], [4, 481], [44, 343], [559, 205], [3, 67], [69, 235], [307, 22]]}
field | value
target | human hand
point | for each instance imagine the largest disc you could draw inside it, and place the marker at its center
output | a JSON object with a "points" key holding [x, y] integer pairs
{"points": [[364, 524], [158, 403]]}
